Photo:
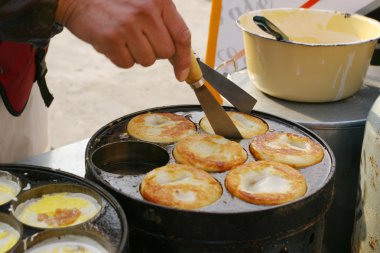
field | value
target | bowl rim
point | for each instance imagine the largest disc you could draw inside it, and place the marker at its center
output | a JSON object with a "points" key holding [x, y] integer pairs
{"points": [[45, 237], [355, 15]]}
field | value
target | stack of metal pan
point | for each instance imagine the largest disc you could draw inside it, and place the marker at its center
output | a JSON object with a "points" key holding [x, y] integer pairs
{"points": [[106, 231]]}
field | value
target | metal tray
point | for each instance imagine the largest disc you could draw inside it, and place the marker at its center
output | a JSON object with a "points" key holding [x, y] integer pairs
{"points": [[111, 223]]}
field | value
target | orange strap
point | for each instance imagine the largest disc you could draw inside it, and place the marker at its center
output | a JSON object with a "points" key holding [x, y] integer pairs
{"points": [[309, 3]]}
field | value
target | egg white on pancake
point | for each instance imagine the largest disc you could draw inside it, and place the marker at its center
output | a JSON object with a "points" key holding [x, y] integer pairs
{"points": [[160, 127], [8, 237], [57, 210], [8, 190], [68, 244], [209, 152], [292, 149], [248, 125], [180, 186], [266, 183]]}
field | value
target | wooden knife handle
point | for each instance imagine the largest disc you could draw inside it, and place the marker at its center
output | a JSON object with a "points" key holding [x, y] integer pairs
{"points": [[195, 73]]}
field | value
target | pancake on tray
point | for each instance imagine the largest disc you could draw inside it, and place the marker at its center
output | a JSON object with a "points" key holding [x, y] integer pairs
{"points": [[266, 183], [160, 127], [68, 244], [55, 210], [8, 237], [209, 152], [180, 186], [8, 190], [248, 125], [294, 150]]}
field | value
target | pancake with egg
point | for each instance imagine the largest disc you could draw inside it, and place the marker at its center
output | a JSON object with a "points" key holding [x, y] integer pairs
{"points": [[160, 127], [9, 189], [8, 237], [266, 183], [180, 186], [209, 152], [57, 210], [69, 244], [248, 125], [294, 150]]}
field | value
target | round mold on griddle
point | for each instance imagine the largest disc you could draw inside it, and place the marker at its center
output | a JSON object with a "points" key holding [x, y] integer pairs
{"points": [[31, 196], [7, 180], [9, 222], [129, 157], [126, 186], [70, 237]]}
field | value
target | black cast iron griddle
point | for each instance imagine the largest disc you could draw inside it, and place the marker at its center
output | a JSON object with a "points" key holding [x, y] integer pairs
{"points": [[111, 223], [127, 184]]}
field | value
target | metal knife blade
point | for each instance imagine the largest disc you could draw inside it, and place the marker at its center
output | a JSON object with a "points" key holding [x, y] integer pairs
{"points": [[218, 118], [238, 97]]}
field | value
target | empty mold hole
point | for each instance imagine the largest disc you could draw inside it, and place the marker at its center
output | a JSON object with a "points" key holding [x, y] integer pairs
{"points": [[129, 157]]}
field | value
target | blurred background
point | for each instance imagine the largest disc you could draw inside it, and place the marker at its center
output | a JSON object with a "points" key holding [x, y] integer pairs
{"points": [[90, 91]]}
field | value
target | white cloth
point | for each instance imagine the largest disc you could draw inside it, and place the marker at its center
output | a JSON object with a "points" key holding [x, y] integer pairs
{"points": [[27, 134]]}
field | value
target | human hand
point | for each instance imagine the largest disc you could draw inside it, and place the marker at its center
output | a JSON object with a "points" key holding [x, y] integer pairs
{"points": [[130, 31]]}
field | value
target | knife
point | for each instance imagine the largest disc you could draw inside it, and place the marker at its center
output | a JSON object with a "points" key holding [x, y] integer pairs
{"points": [[238, 97], [218, 118]]}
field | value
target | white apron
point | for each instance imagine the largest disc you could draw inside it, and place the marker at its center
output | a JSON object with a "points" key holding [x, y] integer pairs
{"points": [[26, 135]]}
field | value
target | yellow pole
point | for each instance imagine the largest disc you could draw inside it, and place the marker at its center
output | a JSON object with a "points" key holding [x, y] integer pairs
{"points": [[216, 9]]}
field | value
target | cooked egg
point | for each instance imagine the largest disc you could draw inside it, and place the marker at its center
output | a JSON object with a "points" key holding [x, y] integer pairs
{"points": [[68, 244], [57, 210], [8, 190], [8, 237]]}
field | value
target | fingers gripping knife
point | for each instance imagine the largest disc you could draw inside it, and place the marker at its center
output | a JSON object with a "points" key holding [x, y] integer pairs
{"points": [[218, 118]]}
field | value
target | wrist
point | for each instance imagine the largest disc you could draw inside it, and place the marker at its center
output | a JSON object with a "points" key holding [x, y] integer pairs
{"points": [[64, 11]]}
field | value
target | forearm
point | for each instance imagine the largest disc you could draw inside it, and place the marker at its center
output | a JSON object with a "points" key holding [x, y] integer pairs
{"points": [[31, 21]]}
